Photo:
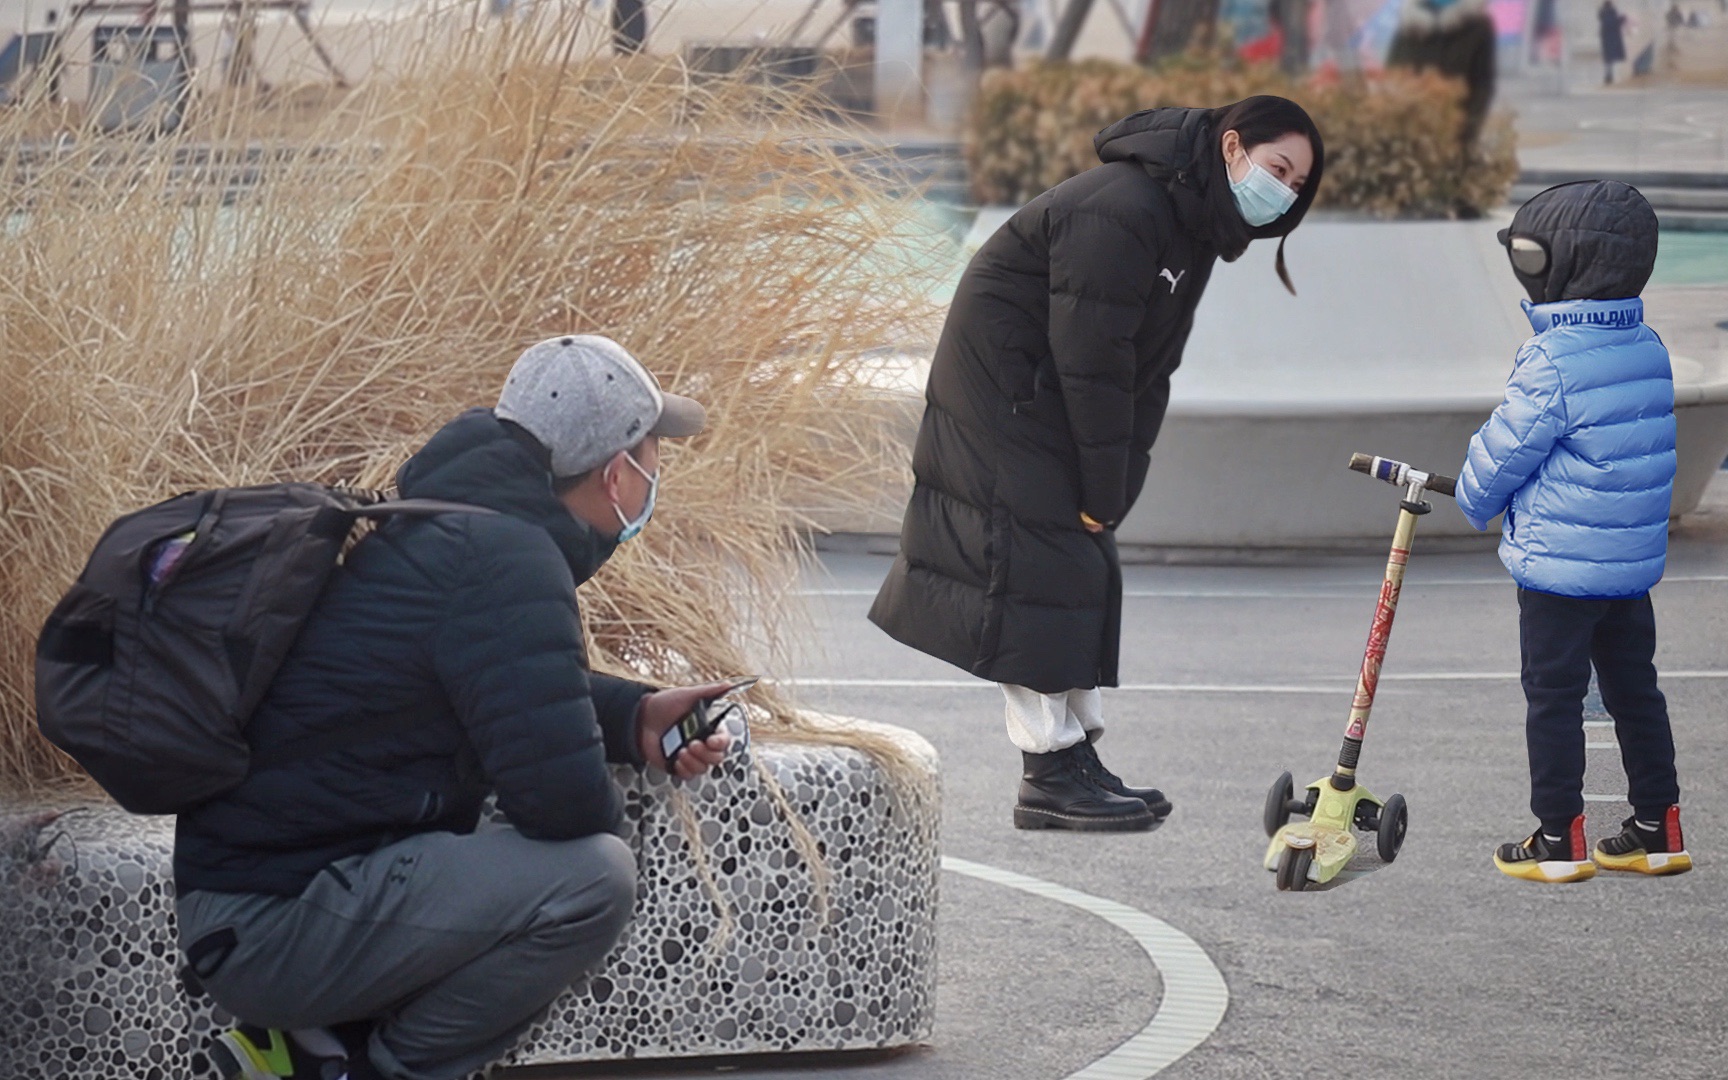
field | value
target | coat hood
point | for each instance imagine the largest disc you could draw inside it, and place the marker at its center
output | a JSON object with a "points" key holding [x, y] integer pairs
{"points": [[484, 461], [1600, 236], [1170, 138], [1176, 145]]}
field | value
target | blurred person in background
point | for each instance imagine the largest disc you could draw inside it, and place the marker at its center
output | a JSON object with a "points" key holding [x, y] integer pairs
{"points": [[1455, 38], [629, 27], [1046, 393], [1675, 19], [1611, 25], [1546, 38], [998, 29], [1336, 49]]}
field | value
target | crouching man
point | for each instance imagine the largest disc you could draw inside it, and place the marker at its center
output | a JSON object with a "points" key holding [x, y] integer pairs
{"points": [[344, 901]]}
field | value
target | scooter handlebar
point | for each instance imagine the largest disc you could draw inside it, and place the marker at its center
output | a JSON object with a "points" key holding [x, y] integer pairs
{"points": [[1396, 472]]}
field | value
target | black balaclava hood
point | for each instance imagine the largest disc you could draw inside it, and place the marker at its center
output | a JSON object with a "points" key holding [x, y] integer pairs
{"points": [[1601, 241], [1184, 146]]}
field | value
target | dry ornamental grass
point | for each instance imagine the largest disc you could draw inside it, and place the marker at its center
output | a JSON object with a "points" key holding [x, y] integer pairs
{"points": [[500, 187]]}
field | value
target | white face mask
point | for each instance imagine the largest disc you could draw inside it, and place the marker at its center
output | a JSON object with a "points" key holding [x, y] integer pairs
{"points": [[633, 526], [1261, 198]]}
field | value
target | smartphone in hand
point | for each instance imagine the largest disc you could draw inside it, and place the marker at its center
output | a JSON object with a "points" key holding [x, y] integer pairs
{"points": [[704, 719]]}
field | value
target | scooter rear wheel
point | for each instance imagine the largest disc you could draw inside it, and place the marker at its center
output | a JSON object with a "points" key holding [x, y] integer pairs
{"points": [[1293, 866], [1277, 812], [1394, 823]]}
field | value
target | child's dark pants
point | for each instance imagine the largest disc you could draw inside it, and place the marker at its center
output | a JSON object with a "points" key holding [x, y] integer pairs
{"points": [[1560, 638]]}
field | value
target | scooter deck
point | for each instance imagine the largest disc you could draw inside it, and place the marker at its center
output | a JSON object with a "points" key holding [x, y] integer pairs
{"points": [[1327, 831]]}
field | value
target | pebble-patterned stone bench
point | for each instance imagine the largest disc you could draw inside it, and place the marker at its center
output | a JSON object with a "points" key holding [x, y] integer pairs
{"points": [[88, 964]]}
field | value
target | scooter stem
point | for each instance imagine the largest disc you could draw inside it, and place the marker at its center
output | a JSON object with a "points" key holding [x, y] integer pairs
{"points": [[1412, 507]]}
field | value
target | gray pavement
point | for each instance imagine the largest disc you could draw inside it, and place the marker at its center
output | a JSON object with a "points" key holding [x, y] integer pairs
{"points": [[1437, 966], [1649, 127]]}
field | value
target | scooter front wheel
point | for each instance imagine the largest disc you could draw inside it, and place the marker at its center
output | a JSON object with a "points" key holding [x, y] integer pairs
{"points": [[1277, 812], [1293, 866], [1394, 823]]}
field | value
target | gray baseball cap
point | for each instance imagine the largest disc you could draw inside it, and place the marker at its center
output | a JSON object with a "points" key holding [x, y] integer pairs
{"points": [[586, 399]]}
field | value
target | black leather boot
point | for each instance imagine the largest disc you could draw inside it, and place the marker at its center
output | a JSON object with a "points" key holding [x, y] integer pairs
{"points": [[1057, 793], [1087, 755]]}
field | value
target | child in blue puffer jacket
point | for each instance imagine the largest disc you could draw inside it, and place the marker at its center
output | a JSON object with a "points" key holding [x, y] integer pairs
{"points": [[1580, 458]]}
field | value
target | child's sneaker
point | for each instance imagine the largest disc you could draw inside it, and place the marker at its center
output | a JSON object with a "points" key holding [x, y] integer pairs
{"points": [[1657, 851], [247, 1052], [1542, 859]]}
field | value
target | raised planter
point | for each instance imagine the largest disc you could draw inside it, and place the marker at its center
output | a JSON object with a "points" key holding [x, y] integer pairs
{"points": [[88, 952]]}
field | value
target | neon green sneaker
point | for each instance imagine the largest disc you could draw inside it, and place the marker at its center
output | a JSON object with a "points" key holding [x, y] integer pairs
{"points": [[246, 1052]]}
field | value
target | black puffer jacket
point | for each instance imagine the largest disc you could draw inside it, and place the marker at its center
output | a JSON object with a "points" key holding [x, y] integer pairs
{"points": [[463, 626], [1046, 393]]}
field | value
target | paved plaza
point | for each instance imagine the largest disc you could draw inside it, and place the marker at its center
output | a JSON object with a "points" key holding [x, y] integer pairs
{"points": [[1641, 127], [1436, 966], [1118, 957], [1235, 669]]}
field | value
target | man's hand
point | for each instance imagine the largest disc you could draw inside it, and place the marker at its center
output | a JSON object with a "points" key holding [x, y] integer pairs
{"points": [[663, 709], [1090, 524]]}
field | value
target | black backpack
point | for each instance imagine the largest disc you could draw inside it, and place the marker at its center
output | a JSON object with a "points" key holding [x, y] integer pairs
{"points": [[151, 665]]}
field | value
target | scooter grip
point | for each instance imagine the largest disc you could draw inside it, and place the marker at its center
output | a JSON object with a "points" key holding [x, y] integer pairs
{"points": [[1391, 471]]}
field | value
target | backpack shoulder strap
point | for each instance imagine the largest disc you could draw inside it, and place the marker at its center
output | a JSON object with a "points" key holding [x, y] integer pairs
{"points": [[417, 508]]}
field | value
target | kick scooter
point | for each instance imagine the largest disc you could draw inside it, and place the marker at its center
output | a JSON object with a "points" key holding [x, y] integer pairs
{"points": [[1314, 851]]}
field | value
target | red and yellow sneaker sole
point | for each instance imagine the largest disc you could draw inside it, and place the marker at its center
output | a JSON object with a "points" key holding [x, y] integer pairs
{"points": [[1657, 864], [1554, 870]]}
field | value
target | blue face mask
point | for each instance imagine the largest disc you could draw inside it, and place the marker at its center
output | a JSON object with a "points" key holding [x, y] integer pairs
{"points": [[633, 528], [1260, 197]]}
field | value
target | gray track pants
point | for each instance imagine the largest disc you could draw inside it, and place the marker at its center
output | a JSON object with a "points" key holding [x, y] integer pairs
{"points": [[455, 943]]}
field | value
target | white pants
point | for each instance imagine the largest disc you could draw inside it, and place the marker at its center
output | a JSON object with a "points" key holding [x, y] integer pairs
{"points": [[1045, 723]]}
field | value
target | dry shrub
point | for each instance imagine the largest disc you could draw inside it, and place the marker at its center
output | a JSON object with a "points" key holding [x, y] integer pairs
{"points": [[386, 270], [1392, 140]]}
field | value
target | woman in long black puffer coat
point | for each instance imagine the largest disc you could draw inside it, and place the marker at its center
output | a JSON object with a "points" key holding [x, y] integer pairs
{"points": [[1046, 393]]}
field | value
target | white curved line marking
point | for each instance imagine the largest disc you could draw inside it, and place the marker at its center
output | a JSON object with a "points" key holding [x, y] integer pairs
{"points": [[1195, 996], [1319, 686], [980, 684]]}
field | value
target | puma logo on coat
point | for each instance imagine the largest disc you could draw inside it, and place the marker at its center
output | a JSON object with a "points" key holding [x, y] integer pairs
{"points": [[1174, 279]]}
